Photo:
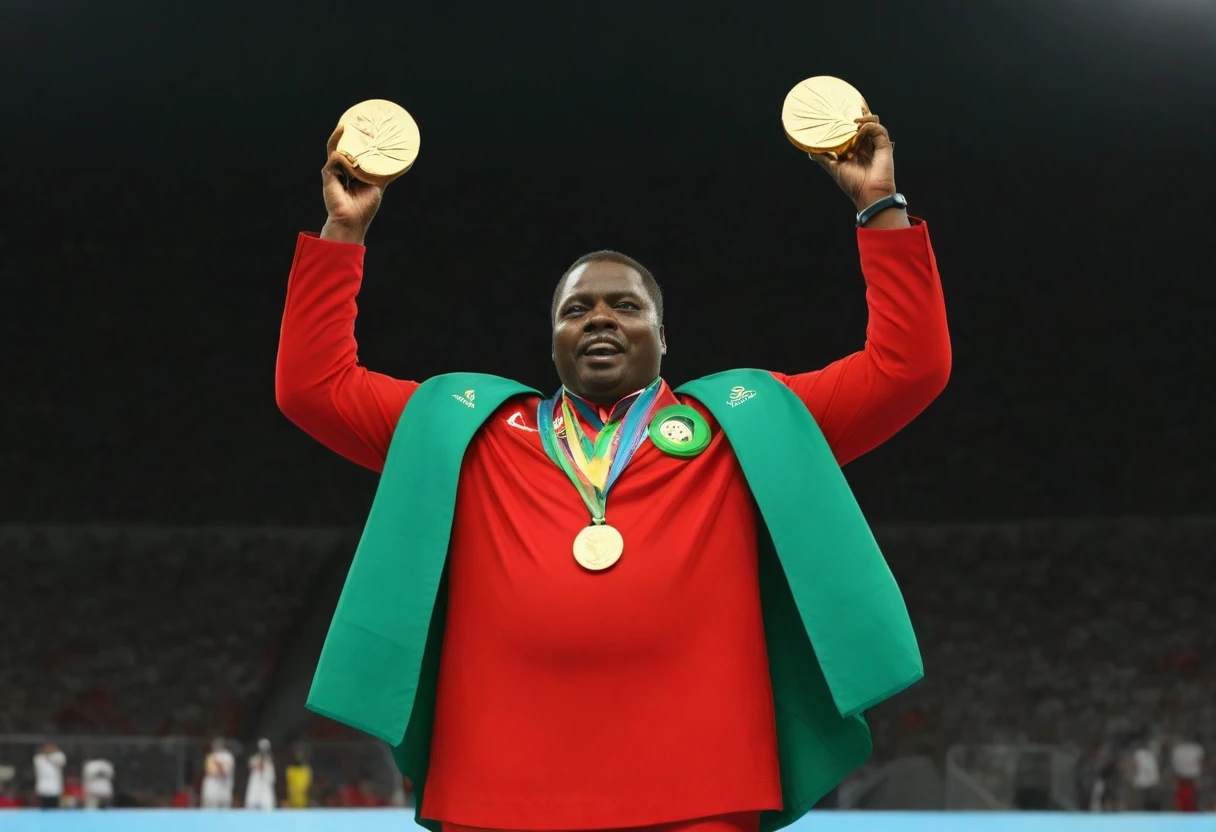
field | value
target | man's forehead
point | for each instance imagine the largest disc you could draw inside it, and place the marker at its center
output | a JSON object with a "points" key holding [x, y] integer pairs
{"points": [[602, 277]]}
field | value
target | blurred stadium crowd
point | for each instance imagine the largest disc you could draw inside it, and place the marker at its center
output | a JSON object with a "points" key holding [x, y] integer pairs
{"points": [[1090, 636], [103, 772]]}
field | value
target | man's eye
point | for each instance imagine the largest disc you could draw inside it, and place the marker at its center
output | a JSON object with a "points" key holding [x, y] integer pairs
{"points": [[628, 304]]}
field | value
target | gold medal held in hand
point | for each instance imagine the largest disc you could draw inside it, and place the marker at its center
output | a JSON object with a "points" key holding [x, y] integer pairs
{"points": [[377, 141], [819, 115], [598, 547]]}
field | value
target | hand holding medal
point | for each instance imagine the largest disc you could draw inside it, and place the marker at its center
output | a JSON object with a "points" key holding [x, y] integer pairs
{"points": [[376, 141], [831, 121]]}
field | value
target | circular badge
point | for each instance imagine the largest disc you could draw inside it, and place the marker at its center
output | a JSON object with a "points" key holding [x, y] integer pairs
{"points": [[680, 431]]}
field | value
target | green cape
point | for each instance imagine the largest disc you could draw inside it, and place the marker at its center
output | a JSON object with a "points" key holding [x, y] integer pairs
{"points": [[838, 635]]}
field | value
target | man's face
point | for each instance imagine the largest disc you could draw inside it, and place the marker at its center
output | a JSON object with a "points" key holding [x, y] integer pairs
{"points": [[607, 339]]}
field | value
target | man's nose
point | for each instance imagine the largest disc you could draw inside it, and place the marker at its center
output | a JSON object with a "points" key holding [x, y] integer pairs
{"points": [[601, 317]]}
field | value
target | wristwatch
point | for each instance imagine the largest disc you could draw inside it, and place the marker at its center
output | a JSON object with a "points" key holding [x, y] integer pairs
{"points": [[893, 201]]}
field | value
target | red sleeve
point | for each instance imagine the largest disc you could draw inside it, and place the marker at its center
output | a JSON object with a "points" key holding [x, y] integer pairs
{"points": [[864, 399], [319, 384]]}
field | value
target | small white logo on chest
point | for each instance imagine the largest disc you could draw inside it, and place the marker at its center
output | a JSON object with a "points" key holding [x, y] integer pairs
{"points": [[516, 420]]}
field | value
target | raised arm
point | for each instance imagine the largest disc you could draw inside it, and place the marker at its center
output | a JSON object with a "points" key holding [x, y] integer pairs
{"points": [[863, 399], [319, 383]]}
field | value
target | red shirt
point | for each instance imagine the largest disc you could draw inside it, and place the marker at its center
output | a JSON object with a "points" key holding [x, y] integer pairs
{"points": [[640, 695]]}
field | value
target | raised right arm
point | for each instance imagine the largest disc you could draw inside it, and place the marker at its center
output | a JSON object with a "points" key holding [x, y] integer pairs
{"points": [[319, 384]]}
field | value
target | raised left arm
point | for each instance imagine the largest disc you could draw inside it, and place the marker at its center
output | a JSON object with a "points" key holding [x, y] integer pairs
{"points": [[863, 399]]}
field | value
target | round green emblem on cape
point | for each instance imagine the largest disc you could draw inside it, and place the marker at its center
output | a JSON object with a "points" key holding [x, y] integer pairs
{"points": [[679, 430]]}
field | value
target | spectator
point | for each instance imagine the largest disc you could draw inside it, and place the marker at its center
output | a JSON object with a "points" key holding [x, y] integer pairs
{"points": [[1146, 777], [98, 775], [219, 775], [299, 781], [259, 792], [48, 775], [1186, 759]]}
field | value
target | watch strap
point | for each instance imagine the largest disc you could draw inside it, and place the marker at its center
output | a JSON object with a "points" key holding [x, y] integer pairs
{"points": [[893, 201]]}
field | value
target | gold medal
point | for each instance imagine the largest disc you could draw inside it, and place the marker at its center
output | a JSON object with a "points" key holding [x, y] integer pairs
{"points": [[819, 115], [378, 141], [598, 547]]}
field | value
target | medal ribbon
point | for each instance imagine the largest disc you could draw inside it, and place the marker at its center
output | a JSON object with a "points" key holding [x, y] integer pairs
{"points": [[593, 467]]}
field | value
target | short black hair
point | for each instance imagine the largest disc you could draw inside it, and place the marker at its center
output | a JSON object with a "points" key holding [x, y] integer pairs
{"points": [[652, 285]]}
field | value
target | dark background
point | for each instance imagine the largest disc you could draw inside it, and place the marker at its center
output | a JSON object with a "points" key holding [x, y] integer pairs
{"points": [[159, 162]]}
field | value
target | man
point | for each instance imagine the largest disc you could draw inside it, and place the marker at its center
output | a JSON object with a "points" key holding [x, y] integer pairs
{"points": [[299, 780], [259, 791], [1146, 775], [219, 777], [98, 775], [1186, 759], [48, 775], [566, 612]]}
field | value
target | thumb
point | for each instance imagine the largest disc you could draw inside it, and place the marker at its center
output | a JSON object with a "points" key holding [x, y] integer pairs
{"points": [[334, 138], [336, 172], [333, 177]]}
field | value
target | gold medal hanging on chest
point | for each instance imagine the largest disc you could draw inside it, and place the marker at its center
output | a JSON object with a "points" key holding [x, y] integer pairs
{"points": [[592, 467], [598, 547]]}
